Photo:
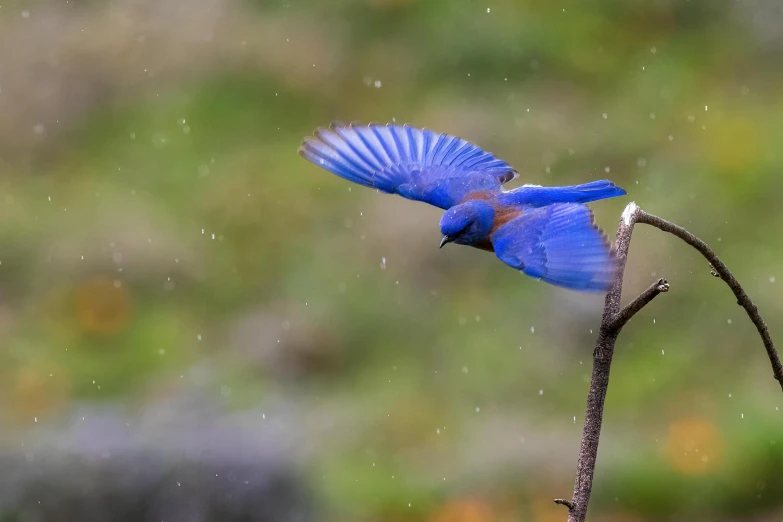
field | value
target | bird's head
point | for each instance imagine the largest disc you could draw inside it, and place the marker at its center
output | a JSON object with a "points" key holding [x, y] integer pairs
{"points": [[467, 223]]}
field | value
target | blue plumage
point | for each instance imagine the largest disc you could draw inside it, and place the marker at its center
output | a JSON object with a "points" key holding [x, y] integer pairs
{"points": [[559, 244], [536, 196], [418, 164], [546, 232]]}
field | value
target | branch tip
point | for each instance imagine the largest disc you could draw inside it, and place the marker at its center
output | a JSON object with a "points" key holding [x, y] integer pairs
{"points": [[659, 287], [629, 214], [566, 503]]}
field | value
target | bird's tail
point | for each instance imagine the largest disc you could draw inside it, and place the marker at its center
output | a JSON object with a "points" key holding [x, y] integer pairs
{"points": [[542, 196]]}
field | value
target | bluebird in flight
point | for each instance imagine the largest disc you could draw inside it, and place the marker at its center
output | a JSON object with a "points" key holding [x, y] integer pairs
{"points": [[546, 232]]}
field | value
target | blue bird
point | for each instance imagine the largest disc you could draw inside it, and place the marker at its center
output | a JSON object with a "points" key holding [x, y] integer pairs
{"points": [[546, 232]]}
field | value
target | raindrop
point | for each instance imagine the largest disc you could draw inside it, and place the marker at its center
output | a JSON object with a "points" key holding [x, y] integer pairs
{"points": [[541, 392], [477, 410], [532, 329], [383, 263], [772, 279], [159, 140]]}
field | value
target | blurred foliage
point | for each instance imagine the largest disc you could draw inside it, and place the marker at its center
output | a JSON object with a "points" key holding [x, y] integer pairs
{"points": [[159, 236]]}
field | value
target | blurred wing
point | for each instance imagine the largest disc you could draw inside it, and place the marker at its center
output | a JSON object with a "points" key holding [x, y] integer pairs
{"points": [[559, 244], [418, 164]]}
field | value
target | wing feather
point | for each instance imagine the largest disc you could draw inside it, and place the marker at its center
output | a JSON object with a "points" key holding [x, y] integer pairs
{"points": [[418, 164], [559, 244]]}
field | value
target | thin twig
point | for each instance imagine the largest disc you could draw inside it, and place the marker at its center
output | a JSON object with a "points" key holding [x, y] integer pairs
{"points": [[613, 322], [631, 309], [564, 502], [723, 272]]}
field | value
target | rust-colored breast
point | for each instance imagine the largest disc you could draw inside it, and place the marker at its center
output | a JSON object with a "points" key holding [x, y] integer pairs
{"points": [[503, 215]]}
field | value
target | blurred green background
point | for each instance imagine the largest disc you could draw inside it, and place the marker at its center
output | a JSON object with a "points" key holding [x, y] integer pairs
{"points": [[160, 238]]}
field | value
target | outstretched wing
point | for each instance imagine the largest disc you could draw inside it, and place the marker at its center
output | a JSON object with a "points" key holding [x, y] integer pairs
{"points": [[418, 164], [560, 244]]}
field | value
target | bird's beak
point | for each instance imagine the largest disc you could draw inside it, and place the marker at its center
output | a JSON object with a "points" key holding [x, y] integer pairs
{"points": [[446, 239]]}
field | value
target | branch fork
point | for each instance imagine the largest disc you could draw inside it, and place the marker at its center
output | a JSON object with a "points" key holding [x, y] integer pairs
{"points": [[615, 318]]}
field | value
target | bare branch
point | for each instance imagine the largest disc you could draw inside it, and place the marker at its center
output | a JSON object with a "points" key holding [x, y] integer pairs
{"points": [[632, 308], [721, 270], [613, 322]]}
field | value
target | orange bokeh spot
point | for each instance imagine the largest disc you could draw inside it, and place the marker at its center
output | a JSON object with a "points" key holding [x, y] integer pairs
{"points": [[102, 305], [463, 511], [693, 446], [39, 388]]}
